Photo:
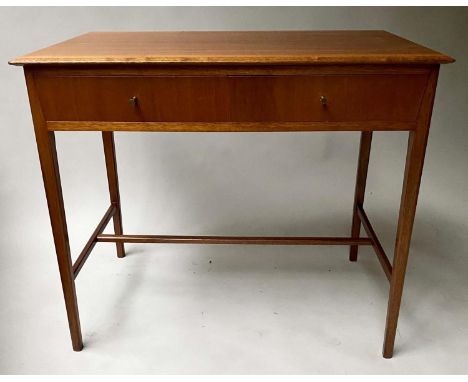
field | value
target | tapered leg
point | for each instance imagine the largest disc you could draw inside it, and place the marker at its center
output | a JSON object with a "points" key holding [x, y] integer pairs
{"points": [[51, 176], [361, 178], [413, 170], [417, 142], [112, 179], [50, 173]]}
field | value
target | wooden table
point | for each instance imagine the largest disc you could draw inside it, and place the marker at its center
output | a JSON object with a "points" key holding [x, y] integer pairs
{"points": [[233, 81]]}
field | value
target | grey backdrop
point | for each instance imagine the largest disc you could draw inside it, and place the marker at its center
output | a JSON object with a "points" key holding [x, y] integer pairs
{"points": [[175, 309]]}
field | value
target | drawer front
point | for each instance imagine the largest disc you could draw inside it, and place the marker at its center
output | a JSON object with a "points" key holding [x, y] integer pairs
{"points": [[255, 98]]}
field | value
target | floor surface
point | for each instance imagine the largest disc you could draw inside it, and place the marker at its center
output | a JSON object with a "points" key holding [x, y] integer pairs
{"points": [[228, 310]]}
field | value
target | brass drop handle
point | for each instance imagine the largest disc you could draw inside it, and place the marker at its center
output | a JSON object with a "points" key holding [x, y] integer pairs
{"points": [[133, 101], [323, 100]]}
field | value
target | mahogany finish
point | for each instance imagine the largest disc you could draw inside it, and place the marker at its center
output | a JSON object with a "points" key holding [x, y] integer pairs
{"points": [[233, 81], [417, 142], [359, 193], [255, 240], [220, 98], [279, 47], [113, 181], [50, 174], [379, 251], [80, 261]]}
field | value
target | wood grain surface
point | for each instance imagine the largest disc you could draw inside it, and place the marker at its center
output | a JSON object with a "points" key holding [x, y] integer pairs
{"points": [[272, 47], [260, 98]]}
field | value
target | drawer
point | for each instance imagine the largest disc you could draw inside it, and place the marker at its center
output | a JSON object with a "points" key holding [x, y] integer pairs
{"points": [[238, 98]]}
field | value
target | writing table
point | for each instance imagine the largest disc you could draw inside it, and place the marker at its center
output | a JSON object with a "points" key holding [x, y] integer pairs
{"points": [[233, 81]]}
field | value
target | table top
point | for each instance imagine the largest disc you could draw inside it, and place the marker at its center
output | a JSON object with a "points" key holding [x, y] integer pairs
{"points": [[267, 47]]}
